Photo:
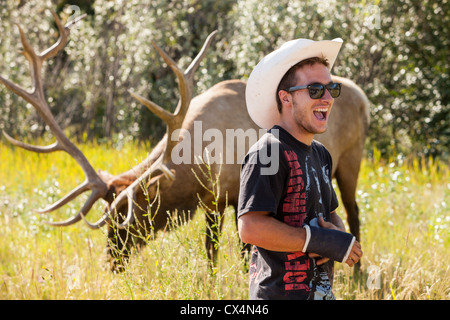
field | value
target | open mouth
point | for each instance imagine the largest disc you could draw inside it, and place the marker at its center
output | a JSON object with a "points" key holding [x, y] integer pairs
{"points": [[321, 113]]}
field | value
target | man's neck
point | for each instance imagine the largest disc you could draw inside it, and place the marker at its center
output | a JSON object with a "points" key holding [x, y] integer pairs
{"points": [[298, 133]]}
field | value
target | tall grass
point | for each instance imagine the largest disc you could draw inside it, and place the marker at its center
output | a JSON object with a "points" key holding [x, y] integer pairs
{"points": [[403, 210]]}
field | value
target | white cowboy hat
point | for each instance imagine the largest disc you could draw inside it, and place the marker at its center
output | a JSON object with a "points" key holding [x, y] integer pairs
{"points": [[263, 82]]}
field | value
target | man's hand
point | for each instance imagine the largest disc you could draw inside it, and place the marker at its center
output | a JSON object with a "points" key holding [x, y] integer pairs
{"points": [[329, 225], [354, 255]]}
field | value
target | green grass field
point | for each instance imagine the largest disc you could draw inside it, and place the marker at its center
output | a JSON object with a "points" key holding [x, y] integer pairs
{"points": [[404, 206]]}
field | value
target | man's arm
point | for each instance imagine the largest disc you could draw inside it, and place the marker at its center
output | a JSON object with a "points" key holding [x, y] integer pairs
{"points": [[260, 229], [337, 224]]}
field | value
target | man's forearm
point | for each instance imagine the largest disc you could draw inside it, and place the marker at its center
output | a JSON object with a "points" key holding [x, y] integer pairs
{"points": [[264, 231], [326, 240]]}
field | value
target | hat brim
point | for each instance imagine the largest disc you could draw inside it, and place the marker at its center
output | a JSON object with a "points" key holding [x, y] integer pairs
{"points": [[263, 82]]}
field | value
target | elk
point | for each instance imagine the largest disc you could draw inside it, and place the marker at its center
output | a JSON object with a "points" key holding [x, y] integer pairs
{"points": [[168, 185]]}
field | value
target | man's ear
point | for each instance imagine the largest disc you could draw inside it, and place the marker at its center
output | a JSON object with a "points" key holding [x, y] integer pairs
{"points": [[285, 97]]}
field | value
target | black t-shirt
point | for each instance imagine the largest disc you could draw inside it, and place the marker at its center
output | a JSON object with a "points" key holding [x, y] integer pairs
{"points": [[293, 182]]}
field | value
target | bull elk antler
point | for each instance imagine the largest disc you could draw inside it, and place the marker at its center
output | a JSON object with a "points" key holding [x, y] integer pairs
{"points": [[185, 85], [93, 181], [173, 121], [37, 98]]}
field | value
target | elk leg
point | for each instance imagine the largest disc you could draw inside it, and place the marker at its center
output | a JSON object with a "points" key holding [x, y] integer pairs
{"points": [[347, 179]]}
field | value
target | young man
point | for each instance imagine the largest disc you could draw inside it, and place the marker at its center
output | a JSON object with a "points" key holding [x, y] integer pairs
{"points": [[288, 213]]}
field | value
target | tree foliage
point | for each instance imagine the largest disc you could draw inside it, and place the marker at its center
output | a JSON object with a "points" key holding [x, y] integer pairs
{"points": [[396, 51]]}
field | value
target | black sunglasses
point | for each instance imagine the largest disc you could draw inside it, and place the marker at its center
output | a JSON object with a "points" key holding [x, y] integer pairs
{"points": [[317, 90]]}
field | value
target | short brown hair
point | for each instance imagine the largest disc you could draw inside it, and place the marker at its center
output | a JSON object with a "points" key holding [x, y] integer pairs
{"points": [[289, 77]]}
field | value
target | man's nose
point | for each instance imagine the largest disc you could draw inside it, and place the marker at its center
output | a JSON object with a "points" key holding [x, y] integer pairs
{"points": [[327, 96]]}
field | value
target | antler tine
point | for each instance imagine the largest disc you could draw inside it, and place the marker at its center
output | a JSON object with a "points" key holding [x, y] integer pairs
{"points": [[183, 85], [163, 114], [69, 197], [186, 79], [74, 21], [64, 32], [130, 196], [80, 215], [45, 149], [189, 74], [21, 92], [37, 98]]}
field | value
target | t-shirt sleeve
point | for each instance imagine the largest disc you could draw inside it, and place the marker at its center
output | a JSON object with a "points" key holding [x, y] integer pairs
{"points": [[262, 182]]}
